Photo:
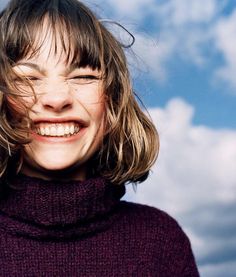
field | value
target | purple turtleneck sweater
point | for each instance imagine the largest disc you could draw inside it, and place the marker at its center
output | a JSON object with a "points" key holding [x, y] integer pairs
{"points": [[75, 228]]}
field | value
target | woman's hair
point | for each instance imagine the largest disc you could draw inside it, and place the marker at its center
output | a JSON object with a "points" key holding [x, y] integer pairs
{"points": [[130, 145]]}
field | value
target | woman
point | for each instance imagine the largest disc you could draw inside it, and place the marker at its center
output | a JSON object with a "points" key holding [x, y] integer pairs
{"points": [[72, 135]]}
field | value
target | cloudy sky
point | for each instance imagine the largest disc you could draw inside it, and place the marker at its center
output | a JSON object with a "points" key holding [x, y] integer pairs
{"points": [[183, 65]]}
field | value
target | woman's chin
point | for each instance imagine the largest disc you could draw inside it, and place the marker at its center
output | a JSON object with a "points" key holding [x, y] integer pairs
{"points": [[54, 169]]}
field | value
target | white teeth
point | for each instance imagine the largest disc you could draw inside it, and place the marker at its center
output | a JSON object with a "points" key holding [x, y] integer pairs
{"points": [[53, 131], [57, 130], [60, 131], [72, 129], [42, 131], [67, 130], [47, 131]]}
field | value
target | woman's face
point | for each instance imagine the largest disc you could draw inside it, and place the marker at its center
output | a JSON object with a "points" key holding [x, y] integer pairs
{"points": [[68, 114]]}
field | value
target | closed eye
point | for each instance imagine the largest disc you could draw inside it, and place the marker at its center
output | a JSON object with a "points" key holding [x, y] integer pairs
{"points": [[84, 79], [35, 81], [32, 79]]}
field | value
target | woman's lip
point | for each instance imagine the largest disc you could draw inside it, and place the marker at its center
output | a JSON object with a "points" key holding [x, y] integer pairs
{"points": [[48, 139], [59, 120]]}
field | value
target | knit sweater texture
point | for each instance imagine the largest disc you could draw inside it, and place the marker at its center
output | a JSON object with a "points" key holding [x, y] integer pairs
{"points": [[83, 228]]}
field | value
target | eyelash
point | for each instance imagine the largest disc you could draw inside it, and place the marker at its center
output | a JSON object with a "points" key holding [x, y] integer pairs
{"points": [[87, 77], [32, 78], [75, 77], [84, 79]]}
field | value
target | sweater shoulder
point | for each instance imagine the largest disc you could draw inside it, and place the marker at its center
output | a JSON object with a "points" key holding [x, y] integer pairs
{"points": [[145, 213], [153, 220], [156, 232]]}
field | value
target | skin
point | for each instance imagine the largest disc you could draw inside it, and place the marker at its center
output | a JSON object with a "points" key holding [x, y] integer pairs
{"points": [[62, 93]]}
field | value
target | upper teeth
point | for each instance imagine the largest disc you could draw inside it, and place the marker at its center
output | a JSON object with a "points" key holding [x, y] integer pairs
{"points": [[57, 129]]}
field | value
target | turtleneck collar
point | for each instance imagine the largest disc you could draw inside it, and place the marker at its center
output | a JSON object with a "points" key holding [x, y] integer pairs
{"points": [[53, 209]]}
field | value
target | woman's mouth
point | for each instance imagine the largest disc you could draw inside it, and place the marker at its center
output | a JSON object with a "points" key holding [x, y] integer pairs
{"points": [[65, 129]]}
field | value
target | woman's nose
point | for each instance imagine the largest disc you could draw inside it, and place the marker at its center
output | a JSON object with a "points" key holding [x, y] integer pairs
{"points": [[56, 99]]}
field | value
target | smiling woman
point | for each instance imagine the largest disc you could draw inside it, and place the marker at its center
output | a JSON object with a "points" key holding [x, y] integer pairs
{"points": [[72, 135]]}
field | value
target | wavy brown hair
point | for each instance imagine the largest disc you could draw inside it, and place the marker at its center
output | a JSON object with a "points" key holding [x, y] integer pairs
{"points": [[130, 144]]}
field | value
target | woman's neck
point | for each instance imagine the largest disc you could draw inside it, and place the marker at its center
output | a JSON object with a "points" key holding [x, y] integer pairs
{"points": [[72, 173]]}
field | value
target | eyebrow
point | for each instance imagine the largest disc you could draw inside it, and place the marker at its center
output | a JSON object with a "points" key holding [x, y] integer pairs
{"points": [[43, 71], [32, 65]]}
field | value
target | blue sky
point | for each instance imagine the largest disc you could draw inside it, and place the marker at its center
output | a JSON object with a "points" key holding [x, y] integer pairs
{"points": [[183, 65]]}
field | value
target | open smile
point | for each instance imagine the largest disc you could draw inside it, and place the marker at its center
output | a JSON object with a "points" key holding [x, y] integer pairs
{"points": [[65, 129]]}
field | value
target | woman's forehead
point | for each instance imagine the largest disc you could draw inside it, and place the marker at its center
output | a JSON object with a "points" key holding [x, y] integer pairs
{"points": [[50, 44], [63, 45]]}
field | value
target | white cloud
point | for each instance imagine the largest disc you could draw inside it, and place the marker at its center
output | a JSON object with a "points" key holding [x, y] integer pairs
{"points": [[219, 270], [225, 38], [177, 12], [194, 157], [193, 31], [194, 180], [186, 12], [150, 55], [137, 9], [178, 29]]}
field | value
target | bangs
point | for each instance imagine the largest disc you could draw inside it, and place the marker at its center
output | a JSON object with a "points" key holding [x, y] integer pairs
{"points": [[68, 24]]}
